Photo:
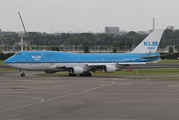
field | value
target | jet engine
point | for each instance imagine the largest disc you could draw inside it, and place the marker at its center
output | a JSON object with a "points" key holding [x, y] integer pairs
{"points": [[110, 68], [77, 70]]}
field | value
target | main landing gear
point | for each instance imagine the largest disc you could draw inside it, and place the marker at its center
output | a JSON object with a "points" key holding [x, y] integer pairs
{"points": [[70, 74], [22, 73], [86, 74]]}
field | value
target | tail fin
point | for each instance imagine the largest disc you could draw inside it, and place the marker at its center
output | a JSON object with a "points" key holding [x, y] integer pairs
{"points": [[150, 43]]}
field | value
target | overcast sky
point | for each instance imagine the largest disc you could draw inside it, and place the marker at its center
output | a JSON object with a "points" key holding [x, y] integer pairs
{"points": [[88, 15]]}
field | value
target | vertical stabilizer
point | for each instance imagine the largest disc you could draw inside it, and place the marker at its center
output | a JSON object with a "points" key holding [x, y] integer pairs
{"points": [[150, 43]]}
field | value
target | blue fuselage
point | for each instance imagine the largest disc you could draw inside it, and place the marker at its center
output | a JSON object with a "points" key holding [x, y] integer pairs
{"points": [[64, 57]]}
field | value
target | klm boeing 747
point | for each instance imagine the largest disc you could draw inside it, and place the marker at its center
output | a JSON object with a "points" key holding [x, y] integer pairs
{"points": [[53, 61]]}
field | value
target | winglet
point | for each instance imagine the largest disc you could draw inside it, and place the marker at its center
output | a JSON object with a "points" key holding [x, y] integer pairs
{"points": [[150, 43]]}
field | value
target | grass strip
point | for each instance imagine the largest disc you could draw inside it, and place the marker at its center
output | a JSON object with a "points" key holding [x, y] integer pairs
{"points": [[1, 62], [4, 69], [168, 62]]}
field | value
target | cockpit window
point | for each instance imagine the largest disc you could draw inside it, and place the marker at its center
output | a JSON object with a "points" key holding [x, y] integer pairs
{"points": [[18, 53]]}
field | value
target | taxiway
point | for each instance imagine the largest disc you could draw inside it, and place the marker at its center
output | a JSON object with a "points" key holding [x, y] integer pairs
{"points": [[87, 98]]}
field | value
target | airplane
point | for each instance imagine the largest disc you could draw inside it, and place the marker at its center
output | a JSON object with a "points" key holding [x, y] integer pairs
{"points": [[85, 63]]}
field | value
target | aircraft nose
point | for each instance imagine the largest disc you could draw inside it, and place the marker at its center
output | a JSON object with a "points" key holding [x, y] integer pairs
{"points": [[6, 61]]}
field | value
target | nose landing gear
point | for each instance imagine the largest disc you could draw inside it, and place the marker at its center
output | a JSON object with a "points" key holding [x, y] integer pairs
{"points": [[22, 73]]}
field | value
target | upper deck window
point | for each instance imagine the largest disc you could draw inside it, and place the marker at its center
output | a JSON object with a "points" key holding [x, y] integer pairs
{"points": [[18, 53]]}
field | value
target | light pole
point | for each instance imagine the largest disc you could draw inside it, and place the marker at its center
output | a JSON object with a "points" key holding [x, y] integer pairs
{"points": [[21, 35]]}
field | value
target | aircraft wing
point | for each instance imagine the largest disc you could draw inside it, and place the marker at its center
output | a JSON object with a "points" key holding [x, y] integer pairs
{"points": [[94, 66], [98, 64], [123, 63]]}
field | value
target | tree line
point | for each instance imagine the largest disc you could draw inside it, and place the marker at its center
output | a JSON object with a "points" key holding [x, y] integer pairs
{"points": [[130, 39]]}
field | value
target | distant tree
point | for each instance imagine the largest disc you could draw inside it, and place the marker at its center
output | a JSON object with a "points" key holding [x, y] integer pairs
{"points": [[114, 50], [57, 48], [86, 50], [170, 50], [122, 43], [63, 36], [115, 43], [130, 46], [131, 33], [178, 48], [53, 49]]}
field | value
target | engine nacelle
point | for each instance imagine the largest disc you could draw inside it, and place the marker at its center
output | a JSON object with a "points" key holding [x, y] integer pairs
{"points": [[110, 68], [77, 70]]}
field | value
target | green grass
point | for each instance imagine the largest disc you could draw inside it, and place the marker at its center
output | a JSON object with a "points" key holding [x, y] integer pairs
{"points": [[1, 62], [123, 72], [159, 78], [165, 78], [4, 69], [144, 72], [169, 62]]}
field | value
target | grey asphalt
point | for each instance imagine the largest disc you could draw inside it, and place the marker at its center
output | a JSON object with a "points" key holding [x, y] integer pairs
{"points": [[87, 98]]}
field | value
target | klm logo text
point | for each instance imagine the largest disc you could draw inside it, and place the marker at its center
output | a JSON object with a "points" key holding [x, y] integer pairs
{"points": [[148, 43], [151, 45]]}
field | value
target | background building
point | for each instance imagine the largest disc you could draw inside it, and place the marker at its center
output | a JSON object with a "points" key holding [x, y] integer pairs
{"points": [[142, 32], [111, 30], [150, 31], [170, 27]]}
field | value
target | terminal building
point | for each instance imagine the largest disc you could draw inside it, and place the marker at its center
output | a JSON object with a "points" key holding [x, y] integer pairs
{"points": [[112, 30]]}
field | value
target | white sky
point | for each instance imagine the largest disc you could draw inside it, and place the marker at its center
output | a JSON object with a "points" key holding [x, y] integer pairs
{"points": [[87, 15]]}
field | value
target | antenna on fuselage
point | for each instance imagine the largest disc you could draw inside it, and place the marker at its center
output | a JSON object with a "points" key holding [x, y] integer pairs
{"points": [[25, 31]]}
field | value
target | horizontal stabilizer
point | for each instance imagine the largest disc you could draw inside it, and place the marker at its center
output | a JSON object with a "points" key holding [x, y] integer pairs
{"points": [[156, 56]]}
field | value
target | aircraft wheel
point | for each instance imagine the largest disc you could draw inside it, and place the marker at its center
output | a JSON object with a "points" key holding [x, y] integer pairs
{"points": [[89, 74], [72, 74], [22, 75]]}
